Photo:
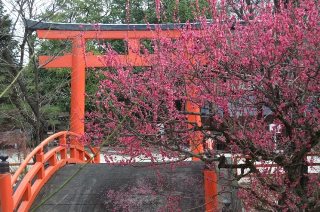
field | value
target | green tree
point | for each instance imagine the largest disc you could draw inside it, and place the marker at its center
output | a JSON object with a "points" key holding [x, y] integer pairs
{"points": [[20, 100], [7, 45], [135, 11]]}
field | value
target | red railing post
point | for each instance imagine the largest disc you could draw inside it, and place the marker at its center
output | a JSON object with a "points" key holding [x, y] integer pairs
{"points": [[74, 154], [6, 192], [53, 160], [211, 190], [80, 153], [40, 159], [27, 194], [73, 151], [63, 143], [97, 154]]}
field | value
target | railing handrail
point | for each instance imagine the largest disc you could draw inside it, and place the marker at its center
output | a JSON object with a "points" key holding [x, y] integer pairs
{"points": [[36, 150]]}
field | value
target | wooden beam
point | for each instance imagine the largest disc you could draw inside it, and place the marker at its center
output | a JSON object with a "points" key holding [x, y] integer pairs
{"points": [[95, 61], [61, 35], [64, 61], [40, 25]]}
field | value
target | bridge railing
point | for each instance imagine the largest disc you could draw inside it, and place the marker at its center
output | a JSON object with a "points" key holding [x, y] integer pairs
{"points": [[21, 193]]}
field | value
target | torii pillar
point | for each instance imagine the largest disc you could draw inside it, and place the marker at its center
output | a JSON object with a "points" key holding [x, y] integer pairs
{"points": [[78, 84]]}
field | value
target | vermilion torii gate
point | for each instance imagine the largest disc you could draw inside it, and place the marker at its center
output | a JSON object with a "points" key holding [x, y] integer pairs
{"points": [[79, 59], [24, 195]]}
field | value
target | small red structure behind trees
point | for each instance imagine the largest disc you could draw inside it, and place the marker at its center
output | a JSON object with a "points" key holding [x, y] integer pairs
{"points": [[245, 75]]}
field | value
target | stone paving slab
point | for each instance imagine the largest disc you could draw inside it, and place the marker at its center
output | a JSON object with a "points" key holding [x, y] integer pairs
{"points": [[142, 187]]}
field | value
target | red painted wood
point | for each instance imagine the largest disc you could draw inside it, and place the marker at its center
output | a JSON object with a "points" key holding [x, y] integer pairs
{"points": [[211, 190], [62, 35]]}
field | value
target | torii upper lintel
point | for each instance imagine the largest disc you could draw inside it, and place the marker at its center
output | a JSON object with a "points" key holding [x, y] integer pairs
{"points": [[39, 25]]}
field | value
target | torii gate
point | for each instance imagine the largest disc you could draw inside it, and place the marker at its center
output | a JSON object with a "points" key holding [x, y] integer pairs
{"points": [[79, 59]]}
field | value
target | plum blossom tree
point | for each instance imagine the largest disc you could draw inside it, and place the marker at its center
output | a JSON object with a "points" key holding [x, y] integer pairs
{"points": [[246, 75]]}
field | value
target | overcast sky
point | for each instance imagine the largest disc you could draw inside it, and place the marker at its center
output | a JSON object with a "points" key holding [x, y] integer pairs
{"points": [[12, 8]]}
